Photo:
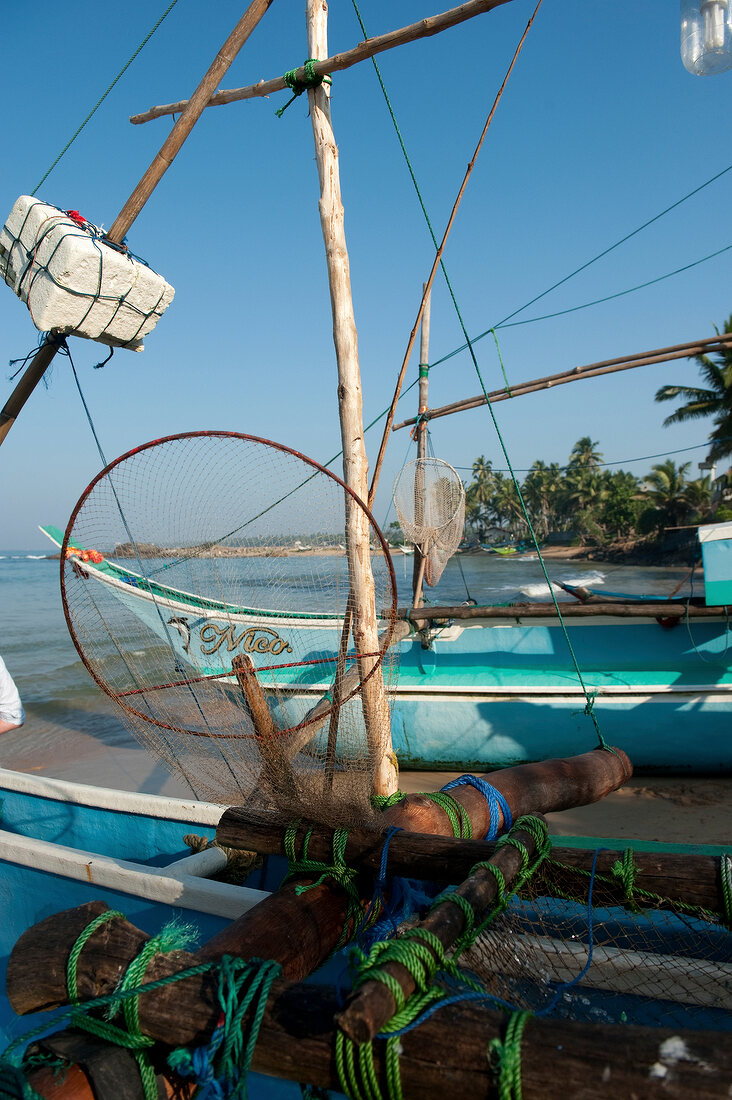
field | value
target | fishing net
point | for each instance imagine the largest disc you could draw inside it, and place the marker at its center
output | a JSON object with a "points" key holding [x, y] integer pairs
{"points": [[207, 588], [604, 953], [429, 498]]}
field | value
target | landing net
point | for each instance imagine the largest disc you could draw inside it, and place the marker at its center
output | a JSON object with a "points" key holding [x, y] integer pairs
{"points": [[429, 498], [206, 585]]}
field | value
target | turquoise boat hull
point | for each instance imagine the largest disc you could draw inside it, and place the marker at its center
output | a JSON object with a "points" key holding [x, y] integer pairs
{"points": [[475, 693]]}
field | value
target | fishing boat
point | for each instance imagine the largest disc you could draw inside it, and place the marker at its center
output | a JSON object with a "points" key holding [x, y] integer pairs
{"points": [[658, 669], [200, 1020]]}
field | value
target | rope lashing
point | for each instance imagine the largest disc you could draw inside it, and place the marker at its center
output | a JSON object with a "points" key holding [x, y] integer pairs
{"points": [[384, 801], [505, 1057], [725, 878], [625, 870], [297, 87], [457, 815], [15, 1062], [497, 804], [539, 831], [220, 1068], [173, 936], [338, 871]]}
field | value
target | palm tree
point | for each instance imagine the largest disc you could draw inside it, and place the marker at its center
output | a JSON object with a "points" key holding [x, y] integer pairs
{"points": [[668, 491], [584, 454], [714, 401]]}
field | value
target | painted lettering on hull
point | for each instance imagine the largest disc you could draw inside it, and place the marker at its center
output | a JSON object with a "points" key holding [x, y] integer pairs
{"points": [[253, 639]]}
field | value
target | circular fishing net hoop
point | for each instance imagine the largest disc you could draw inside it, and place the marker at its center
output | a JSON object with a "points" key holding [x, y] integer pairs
{"points": [[206, 585], [429, 498]]}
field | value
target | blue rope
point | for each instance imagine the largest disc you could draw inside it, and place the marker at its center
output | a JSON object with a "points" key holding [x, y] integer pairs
{"points": [[496, 802]]}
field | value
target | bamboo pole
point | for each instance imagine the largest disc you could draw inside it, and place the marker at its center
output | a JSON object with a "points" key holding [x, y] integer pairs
{"points": [[438, 260], [355, 466], [591, 370], [421, 430], [431, 25], [142, 192]]}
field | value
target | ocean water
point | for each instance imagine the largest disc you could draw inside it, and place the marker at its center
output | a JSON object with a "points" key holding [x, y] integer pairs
{"points": [[73, 730]]}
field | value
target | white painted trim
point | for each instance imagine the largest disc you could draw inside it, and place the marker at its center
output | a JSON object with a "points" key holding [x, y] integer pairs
{"points": [[714, 531], [639, 692], [106, 798], [181, 891]]}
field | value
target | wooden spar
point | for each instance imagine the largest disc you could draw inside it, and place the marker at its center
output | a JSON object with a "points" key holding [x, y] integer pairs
{"points": [[374, 1004], [298, 931], [275, 765], [692, 879], [355, 466], [388, 426], [121, 225], [561, 1059], [590, 370], [431, 25], [545, 787], [421, 433], [518, 611]]}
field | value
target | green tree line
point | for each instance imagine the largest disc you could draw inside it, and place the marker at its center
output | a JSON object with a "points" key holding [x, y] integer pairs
{"points": [[598, 506]]}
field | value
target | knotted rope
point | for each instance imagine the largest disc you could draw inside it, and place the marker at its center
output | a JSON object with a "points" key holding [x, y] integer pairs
{"points": [[310, 80]]}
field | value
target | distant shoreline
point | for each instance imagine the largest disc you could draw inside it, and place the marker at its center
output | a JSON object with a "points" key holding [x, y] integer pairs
{"points": [[645, 555]]}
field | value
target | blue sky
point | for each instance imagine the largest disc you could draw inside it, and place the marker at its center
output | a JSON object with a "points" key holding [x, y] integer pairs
{"points": [[600, 129]]}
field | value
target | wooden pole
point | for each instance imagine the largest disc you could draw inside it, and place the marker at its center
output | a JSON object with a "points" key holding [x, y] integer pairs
{"points": [[421, 430], [560, 1059], [691, 879], [518, 611], [121, 225], [298, 931], [355, 466], [431, 25], [438, 260], [374, 1004], [275, 765], [591, 370]]}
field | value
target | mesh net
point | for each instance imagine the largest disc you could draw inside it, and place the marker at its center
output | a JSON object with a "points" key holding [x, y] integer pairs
{"points": [[206, 585], [429, 498], [597, 957]]}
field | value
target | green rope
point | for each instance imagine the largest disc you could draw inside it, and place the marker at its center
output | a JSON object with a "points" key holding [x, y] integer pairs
{"points": [[244, 985], [500, 360], [625, 870], [725, 878], [457, 815], [173, 936], [99, 102], [384, 801], [310, 80], [646, 896], [338, 871], [505, 1057], [86, 934]]}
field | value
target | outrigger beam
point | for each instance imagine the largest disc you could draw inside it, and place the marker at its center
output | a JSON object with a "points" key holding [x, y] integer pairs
{"points": [[425, 28], [591, 370], [169, 150]]}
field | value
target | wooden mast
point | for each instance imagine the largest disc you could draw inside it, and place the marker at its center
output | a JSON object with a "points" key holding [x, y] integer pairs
{"points": [[350, 404]]}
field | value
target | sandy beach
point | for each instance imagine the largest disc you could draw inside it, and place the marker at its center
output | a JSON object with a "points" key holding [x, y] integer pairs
{"points": [[674, 810]]}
